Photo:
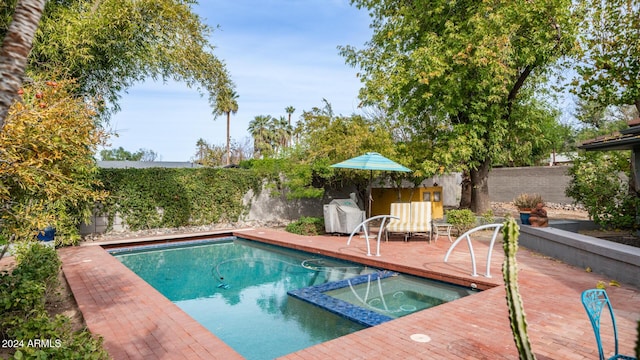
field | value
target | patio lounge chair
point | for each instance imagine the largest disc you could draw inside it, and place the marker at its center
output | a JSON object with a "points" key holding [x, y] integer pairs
{"points": [[403, 224], [415, 217], [421, 217], [594, 301]]}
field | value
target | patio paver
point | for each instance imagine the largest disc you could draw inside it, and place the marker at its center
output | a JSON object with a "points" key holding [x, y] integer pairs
{"points": [[139, 323]]}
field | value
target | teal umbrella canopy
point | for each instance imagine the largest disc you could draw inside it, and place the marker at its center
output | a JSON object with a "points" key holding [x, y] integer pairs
{"points": [[371, 161]]}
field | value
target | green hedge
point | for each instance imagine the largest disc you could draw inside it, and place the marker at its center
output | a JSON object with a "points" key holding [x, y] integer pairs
{"points": [[161, 197]]}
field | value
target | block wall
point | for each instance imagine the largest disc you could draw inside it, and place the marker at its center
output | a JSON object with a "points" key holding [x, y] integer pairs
{"points": [[549, 181]]}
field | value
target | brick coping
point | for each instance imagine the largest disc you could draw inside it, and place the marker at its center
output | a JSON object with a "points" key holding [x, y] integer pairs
{"points": [[138, 322]]}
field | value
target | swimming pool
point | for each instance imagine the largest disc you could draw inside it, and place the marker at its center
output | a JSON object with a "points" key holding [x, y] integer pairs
{"points": [[238, 290]]}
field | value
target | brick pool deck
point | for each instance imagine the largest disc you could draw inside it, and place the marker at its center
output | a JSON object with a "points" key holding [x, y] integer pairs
{"points": [[137, 322]]}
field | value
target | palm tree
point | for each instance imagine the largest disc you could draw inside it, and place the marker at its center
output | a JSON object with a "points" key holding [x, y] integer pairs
{"points": [[226, 103], [259, 128], [290, 110], [15, 50], [328, 109], [281, 131]]}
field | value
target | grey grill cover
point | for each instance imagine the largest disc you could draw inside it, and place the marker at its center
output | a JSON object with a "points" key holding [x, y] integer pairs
{"points": [[342, 216]]}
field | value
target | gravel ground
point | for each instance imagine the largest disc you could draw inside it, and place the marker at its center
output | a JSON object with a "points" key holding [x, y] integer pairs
{"points": [[554, 211]]}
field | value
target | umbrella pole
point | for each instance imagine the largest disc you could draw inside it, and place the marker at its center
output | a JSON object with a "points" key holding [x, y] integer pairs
{"points": [[369, 193], [366, 231]]}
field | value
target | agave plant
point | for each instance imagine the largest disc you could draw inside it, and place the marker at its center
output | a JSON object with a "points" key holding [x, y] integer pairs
{"points": [[527, 201]]}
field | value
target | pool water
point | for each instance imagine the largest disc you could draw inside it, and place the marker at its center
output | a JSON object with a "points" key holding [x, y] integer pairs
{"points": [[237, 289]]}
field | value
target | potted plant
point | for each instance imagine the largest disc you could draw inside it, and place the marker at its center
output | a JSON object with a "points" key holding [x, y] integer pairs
{"points": [[47, 236], [524, 203]]}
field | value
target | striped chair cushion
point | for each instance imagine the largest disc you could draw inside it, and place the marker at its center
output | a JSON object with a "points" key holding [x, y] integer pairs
{"points": [[420, 216], [403, 211]]}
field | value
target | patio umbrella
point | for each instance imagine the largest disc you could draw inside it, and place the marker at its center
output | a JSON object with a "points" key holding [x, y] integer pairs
{"points": [[371, 161]]}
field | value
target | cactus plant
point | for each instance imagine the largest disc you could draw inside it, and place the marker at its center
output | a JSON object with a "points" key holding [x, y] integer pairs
{"points": [[517, 317], [638, 342]]}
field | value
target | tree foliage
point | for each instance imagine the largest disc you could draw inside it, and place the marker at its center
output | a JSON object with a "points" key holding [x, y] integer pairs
{"points": [[120, 154], [600, 123], [271, 136], [458, 70], [608, 80], [259, 128], [215, 155], [322, 139], [600, 181], [328, 139], [47, 169], [51, 133], [110, 45], [208, 155], [544, 134], [610, 60]]}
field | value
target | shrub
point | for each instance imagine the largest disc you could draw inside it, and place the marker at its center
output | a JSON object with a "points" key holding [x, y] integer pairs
{"points": [[37, 262], [35, 275], [47, 167], [63, 342], [19, 297], [600, 181], [23, 316], [307, 226], [488, 217], [462, 220]]}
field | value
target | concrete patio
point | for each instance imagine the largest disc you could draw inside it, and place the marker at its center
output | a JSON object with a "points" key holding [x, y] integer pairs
{"points": [[137, 322]]}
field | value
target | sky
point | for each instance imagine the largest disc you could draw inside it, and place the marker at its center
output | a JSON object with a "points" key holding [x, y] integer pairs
{"points": [[279, 53]]}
